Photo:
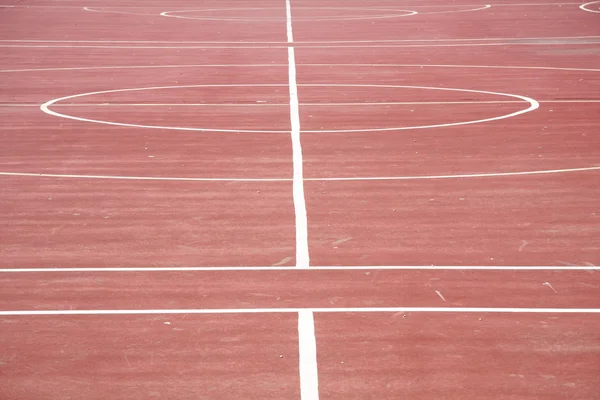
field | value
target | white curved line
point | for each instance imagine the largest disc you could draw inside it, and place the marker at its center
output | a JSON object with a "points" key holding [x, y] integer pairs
{"points": [[456, 11], [350, 179], [116, 12], [256, 19], [584, 7], [533, 105], [45, 108]]}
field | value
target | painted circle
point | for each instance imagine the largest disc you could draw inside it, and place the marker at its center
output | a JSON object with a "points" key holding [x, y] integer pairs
{"points": [[533, 104], [593, 7], [492, 174], [393, 13]]}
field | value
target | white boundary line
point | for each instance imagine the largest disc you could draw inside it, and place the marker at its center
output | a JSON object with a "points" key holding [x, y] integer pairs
{"points": [[367, 178], [315, 268], [303, 65], [584, 7], [409, 6], [307, 342], [533, 105], [305, 311], [330, 46], [383, 103], [295, 42], [301, 219], [307, 348]]}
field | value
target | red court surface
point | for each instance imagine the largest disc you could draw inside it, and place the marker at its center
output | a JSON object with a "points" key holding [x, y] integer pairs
{"points": [[299, 199]]}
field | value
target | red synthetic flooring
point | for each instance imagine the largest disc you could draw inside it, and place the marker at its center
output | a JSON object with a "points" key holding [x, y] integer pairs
{"points": [[185, 161]]}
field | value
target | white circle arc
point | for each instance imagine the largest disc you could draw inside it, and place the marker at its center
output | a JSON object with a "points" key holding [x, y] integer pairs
{"points": [[406, 13], [585, 7], [533, 105]]}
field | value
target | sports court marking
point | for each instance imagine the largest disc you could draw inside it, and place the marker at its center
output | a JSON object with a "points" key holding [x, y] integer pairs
{"points": [[308, 65], [296, 42], [382, 103], [301, 223], [305, 330], [533, 105], [516, 42], [397, 14], [586, 7], [309, 372], [312, 268], [409, 6], [348, 179]]}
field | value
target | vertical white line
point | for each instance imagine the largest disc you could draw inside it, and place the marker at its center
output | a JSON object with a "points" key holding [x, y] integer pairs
{"points": [[302, 257], [309, 379], [307, 342]]}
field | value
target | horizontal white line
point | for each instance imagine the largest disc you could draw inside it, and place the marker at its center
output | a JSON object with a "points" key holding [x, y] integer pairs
{"points": [[300, 45], [316, 268], [330, 65], [315, 310], [296, 43], [404, 6], [349, 179], [386, 103], [145, 67]]}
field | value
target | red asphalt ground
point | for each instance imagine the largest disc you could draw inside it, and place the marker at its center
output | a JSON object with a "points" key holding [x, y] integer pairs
{"points": [[370, 77]]}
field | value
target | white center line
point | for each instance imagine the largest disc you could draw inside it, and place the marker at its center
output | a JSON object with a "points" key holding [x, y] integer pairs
{"points": [[309, 379], [302, 258], [307, 342]]}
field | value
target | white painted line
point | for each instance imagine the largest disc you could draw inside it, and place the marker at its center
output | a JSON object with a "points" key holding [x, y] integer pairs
{"points": [[349, 179], [307, 344], [45, 108], [329, 65], [533, 105], [485, 7], [146, 178], [508, 43], [383, 103], [302, 255], [249, 18], [297, 42], [118, 12], [488, 175], [312, 269], [502, 310], [585, 7], [144, 67], [409, 6]]}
